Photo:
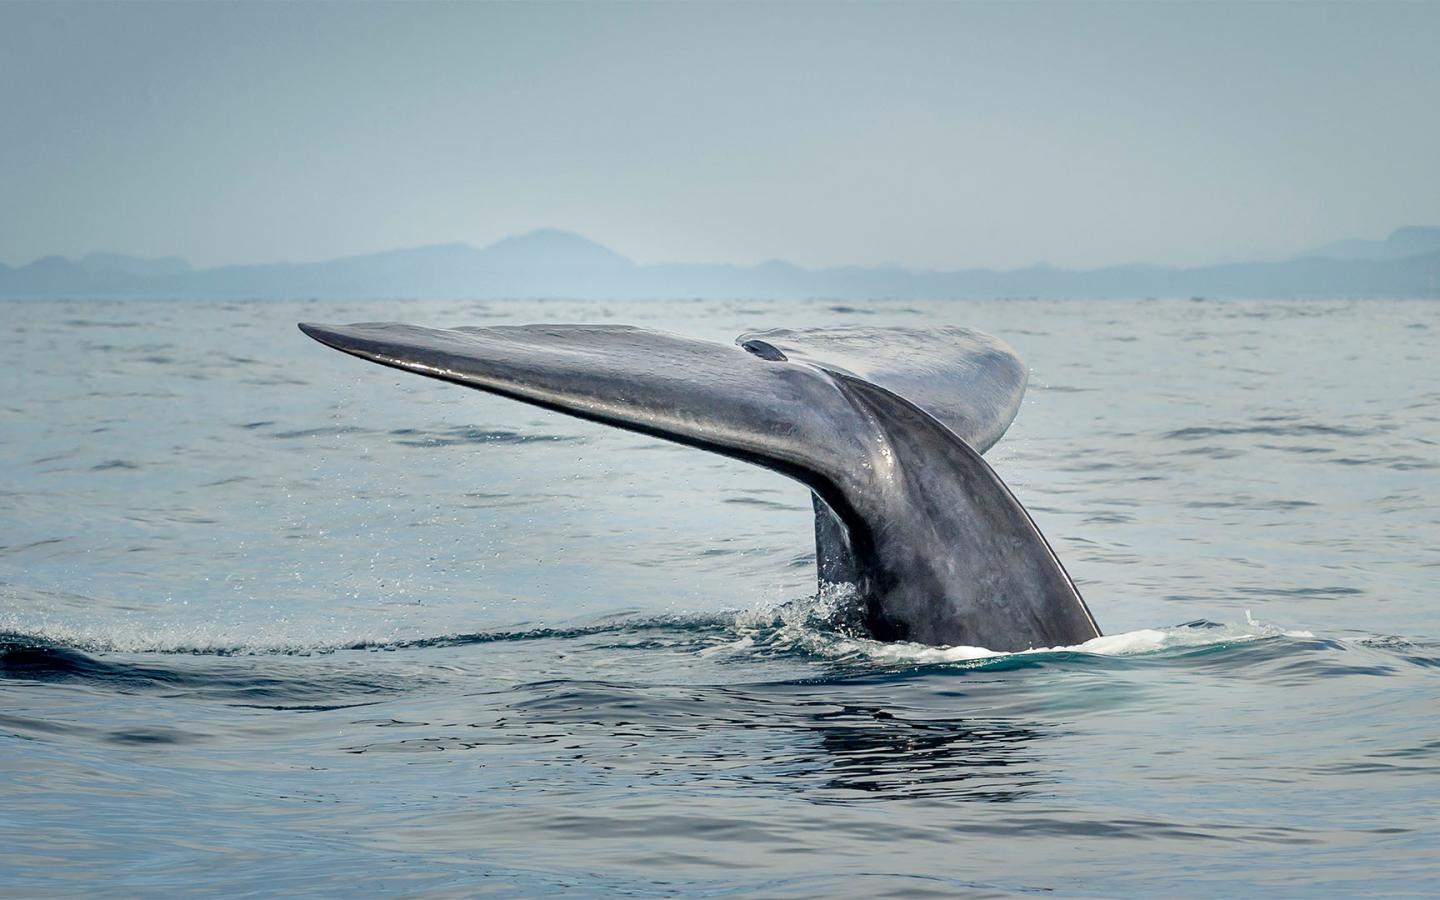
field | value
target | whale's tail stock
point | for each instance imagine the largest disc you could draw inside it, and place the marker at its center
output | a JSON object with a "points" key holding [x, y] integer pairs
{"points": [[885, 426]]}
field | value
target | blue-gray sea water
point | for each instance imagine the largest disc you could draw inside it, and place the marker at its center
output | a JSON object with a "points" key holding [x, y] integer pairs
{"points": [[275, 620]]}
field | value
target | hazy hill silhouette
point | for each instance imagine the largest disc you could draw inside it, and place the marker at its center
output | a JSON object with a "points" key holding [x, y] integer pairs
{"points": [[552, 263], [1415, 240]]}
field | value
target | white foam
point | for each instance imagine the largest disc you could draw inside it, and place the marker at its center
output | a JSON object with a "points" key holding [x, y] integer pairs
{"points": [[795, 626], [164, 637], [90, 625]]}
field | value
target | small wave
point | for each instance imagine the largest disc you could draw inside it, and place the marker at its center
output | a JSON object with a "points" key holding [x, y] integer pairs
{"points": [[624, 626], [7, 550], [324, 431], [450, 437], [114, 464], [93, 323], [200, 641], [23, 658], [1397, 463], [1293, 429]]}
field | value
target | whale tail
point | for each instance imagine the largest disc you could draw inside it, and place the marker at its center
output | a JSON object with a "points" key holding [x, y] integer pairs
{"points": [[884, 426]]}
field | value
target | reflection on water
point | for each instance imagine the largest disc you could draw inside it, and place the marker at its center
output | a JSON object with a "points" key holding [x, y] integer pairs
{"points": [[874, 752]]}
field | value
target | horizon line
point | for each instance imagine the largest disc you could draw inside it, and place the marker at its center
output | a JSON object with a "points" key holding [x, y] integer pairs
{"points": [[564, 232]]}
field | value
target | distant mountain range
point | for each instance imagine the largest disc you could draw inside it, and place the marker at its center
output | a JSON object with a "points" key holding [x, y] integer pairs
{"points": [[550, 263]]}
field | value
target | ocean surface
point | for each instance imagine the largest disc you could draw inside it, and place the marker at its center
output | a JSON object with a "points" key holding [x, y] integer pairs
{"points": [[274, 620]]}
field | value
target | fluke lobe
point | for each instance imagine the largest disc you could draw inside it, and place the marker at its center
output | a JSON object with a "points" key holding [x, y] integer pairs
{"points": [[885, 426]]}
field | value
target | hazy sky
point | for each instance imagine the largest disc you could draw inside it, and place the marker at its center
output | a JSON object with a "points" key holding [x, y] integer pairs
{"points": [[936, 136]]}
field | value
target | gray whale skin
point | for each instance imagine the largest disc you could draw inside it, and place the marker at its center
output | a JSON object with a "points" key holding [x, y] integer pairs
{"points": [[884, 426]]}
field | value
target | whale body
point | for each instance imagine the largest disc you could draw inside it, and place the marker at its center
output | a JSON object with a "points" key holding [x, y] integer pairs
{"points": [[884, 426]]}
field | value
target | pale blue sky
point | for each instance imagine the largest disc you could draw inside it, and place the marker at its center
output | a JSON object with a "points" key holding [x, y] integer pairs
{"points": [[936, 136]]}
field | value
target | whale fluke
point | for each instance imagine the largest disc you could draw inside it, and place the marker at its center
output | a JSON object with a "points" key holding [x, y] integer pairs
{"points": [[885, 426]]}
